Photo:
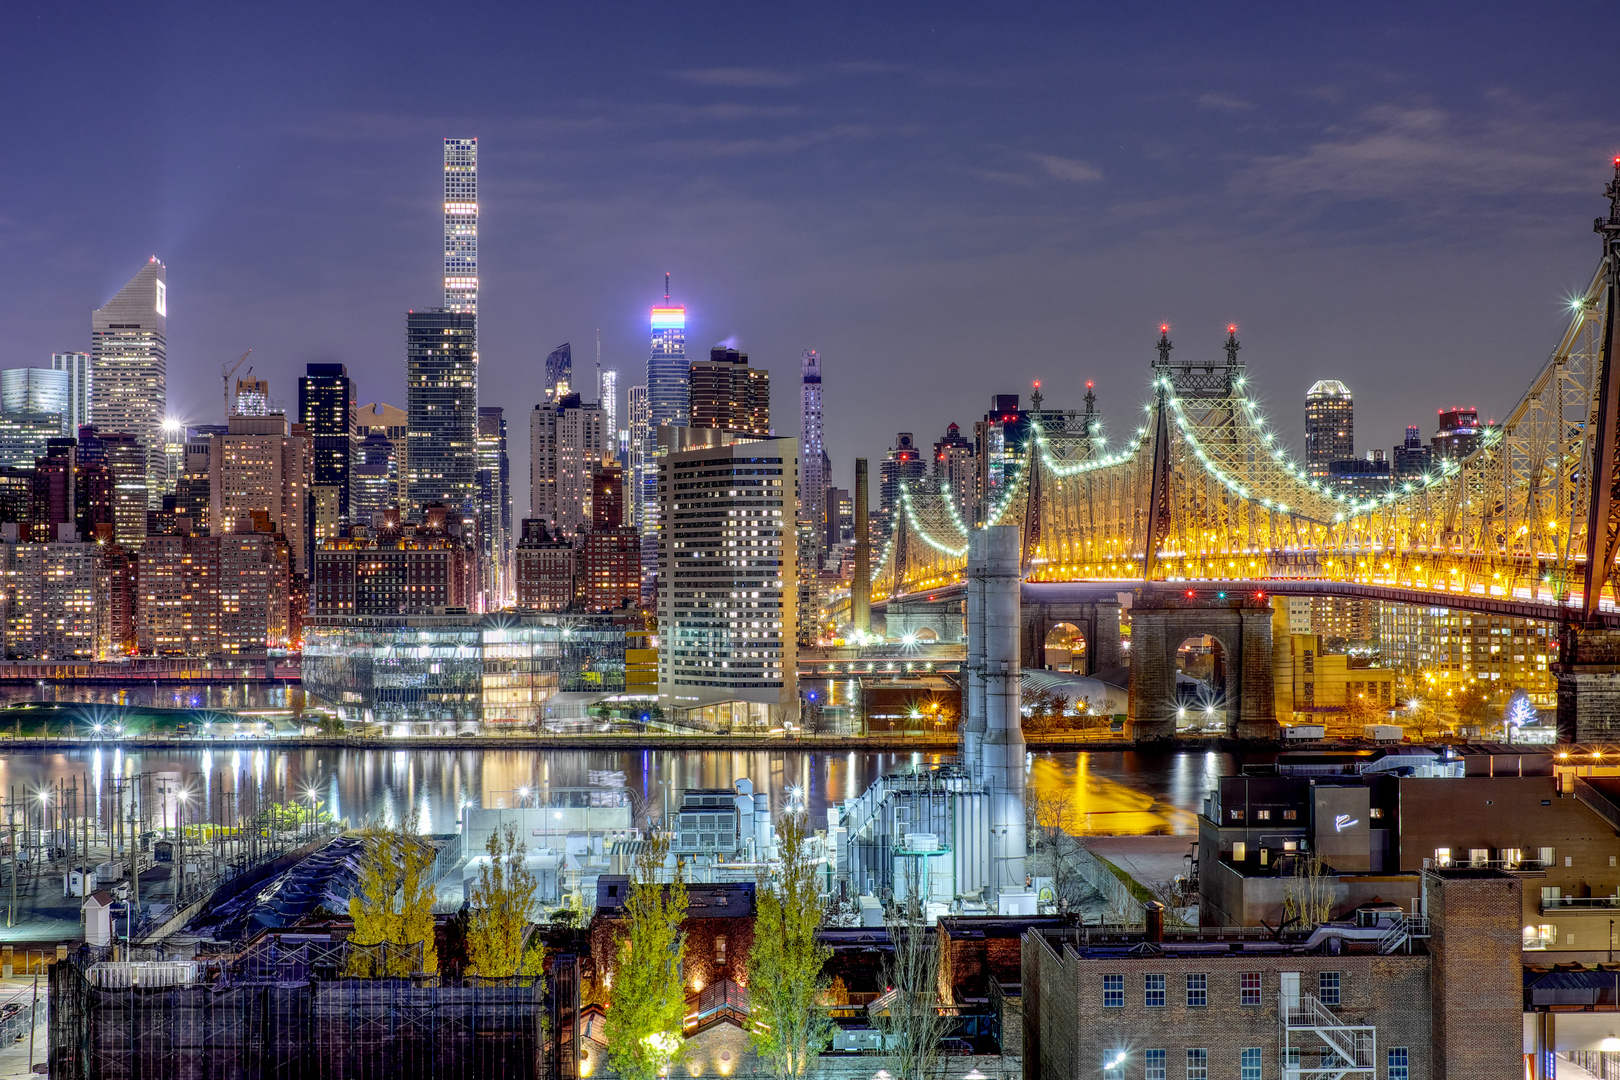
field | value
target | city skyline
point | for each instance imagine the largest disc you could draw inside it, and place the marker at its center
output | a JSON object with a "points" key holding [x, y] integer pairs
{"points": [[898, 160]]}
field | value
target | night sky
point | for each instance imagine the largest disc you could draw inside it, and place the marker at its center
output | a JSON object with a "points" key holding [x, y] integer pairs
{"points": [[947, 200]]}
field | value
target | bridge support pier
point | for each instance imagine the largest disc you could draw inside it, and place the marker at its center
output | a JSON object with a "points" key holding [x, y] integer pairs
{"points": [[1588, 679], [1161, 619], [1097, 621]]}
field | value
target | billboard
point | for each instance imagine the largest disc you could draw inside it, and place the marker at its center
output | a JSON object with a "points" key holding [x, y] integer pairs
{"points": [[1341, 833]]}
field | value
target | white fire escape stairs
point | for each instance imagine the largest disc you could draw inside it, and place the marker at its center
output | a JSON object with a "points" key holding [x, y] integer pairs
{"points": [[1319, 1045]]}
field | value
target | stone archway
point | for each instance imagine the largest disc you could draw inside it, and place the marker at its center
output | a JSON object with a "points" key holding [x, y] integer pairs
{"points": [[1162, 618], [1064, 648], [1201, 668]]}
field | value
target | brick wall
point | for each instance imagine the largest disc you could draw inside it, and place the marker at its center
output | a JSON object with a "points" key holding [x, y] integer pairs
{"points": [[1477, 984]]}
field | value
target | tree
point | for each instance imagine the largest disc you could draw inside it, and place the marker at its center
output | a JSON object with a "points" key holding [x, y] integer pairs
{"points": [[1057, 848], [644, 1021], [500, 907], [910, 1023], [1309, 897], [392, 908], [785, 968]]}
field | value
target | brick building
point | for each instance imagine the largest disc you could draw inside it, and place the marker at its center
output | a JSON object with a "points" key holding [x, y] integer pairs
{"points": [[719, 931], [213, 595], [1214, 1006], [544, 569], [608, 569], [409, 569]]}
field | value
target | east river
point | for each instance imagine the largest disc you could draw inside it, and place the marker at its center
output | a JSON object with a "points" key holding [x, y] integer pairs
{"points": [[1115, 792]]}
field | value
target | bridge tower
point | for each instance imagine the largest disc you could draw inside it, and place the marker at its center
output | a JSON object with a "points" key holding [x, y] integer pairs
{"points": [[1588, 671]]}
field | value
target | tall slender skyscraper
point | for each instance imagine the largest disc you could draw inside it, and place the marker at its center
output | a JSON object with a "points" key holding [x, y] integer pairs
{"points": [[1330, 425], [812, 478], [77, 365], [441, 409], [494, 506], [636, 452], [461, 225], [607, 392], [668, 398], [326, 409], [129, 366]]}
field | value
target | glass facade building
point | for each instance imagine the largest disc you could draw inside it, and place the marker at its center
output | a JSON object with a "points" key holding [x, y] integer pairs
{"points": [[129, 365], [436, 669], [326, 409], [441, 408], [37, 390]]}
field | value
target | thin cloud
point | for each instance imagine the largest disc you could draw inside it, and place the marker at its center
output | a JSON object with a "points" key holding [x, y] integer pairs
{"points": [[742, 78], [1063, 168], [1396, 152], [1218, 102]]}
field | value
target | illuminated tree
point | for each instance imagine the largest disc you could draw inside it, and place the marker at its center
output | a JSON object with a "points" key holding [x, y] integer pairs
{"points": [[644, 1021], [785, 967], [392, 908], [499, 917]]}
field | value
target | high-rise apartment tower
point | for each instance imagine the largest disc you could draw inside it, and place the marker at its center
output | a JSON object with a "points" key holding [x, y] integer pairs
{"points": [[441, 408], [77, 366], [1330, 425]]}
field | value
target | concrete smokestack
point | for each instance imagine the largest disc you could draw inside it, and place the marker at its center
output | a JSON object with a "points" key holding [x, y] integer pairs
{"points": [[1003, 749], [971, 737], [860, 589]]}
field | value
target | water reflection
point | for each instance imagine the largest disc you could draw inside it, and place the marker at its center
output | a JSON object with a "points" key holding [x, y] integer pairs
{"points": [[1117, 792]]}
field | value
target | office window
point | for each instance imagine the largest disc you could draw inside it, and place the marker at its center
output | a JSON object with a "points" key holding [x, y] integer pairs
{"points": [[1153, 995], [1113, 991], [1249, 1063], [1198, 1064], [1398, 1069], [1327, 987], [1156, 1067], [1197, 992], [1249, 983], [1263, 815]]}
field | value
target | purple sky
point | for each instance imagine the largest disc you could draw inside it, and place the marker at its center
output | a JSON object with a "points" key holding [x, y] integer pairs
{"points": [[947, 200]]}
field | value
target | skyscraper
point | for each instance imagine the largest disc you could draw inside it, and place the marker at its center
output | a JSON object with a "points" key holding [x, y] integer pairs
{"points": [[728, 395], [559, 372], [1330, 426], [461, 225], [77, 366], [607, 392], [37, 390], [441, 408], [904, 465], [954, 470], [129, 368], [636, 454], [728, 577], [567, 446], [813, 478], [326, 409], [494, 505], [668, 399], [259, 473]]}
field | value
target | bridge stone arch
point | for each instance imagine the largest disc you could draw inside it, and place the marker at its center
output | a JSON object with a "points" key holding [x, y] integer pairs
{"points": [[1094, 612], [1164, 617]]}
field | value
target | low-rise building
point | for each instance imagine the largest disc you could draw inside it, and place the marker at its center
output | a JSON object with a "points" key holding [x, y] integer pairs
{"points": [[406, 569], [545, 569]]}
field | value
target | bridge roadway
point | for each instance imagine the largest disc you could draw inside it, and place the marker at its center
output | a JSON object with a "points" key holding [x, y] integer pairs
{"points": [[1061, 591]]}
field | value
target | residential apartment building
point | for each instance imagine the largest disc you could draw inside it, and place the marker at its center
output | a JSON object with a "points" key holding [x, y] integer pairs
{"points": [[544, 569], [567, 448], [214, 595], [407, 569], [51, 601], [261, 466], [1444, 650]]}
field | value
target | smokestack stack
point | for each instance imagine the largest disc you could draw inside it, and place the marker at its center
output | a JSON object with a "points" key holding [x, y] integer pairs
{"points": [[860, 590], [1154, 912], [971, 736], [1003, 749]]}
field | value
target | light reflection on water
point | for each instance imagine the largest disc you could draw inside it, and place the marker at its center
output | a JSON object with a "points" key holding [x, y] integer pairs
{"points": [[1115, 792]]}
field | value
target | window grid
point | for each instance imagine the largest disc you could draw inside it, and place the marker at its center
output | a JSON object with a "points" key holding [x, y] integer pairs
{"points": [[1153, 992], [1197, 992], [1157, 1067], [1113, 991], [1398, 1068], [1327, 987], [1198, 1064], [1249, 983], [1249, 1063]]}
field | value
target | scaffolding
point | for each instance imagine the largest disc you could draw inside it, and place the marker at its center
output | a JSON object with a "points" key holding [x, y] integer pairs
{"points": [[282, 1012]]}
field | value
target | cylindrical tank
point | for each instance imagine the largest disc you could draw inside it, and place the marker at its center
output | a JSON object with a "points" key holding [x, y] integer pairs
{"points": [[972, 724], [762, 825]]}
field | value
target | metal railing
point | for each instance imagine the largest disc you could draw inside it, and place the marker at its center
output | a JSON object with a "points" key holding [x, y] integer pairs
{"points": [[1578, 903]]}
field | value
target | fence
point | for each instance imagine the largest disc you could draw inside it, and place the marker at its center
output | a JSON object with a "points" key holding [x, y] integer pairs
{"points": [[252, 1024]]}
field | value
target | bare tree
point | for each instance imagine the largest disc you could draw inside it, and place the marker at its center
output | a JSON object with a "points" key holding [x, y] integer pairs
{"points": [[1309, 897], [1176, 898], [910, 1019], [1058, 848]]}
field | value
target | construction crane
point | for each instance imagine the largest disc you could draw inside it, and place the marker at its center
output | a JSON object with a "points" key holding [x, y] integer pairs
{"points": [[225, 373]]}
